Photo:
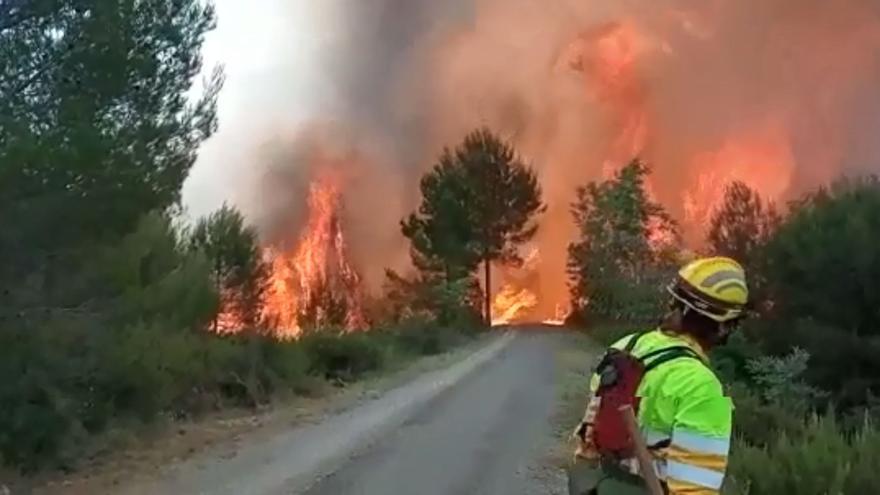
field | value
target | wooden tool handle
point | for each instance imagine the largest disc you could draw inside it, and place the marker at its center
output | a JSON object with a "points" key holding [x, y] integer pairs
{"points": [[646, 460]]}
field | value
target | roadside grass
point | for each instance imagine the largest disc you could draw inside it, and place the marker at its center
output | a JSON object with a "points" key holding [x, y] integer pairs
{"points": [[130, 452]]}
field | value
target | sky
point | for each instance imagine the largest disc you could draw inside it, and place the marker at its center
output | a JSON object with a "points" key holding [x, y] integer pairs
{"points": [[247, 42]]}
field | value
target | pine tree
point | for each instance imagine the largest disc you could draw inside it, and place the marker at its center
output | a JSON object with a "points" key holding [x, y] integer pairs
{"points": [[478, 205], [239, 272], [742, 224]]}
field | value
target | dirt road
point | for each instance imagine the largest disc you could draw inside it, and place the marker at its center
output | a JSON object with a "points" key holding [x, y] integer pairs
{"points": [[479, 438], [475, 428]]}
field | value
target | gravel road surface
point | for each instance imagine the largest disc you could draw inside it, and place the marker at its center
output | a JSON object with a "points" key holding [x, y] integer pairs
{"points": [[481, 437], [477, 427]]}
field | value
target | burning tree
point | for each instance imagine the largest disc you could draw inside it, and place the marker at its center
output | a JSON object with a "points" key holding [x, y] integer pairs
{"points": [[314, 284], [238, 270], [310, 285], [478, 206]]}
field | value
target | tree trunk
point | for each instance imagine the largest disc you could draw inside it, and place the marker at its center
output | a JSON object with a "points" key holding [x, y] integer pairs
{"points": [[488, 297]]}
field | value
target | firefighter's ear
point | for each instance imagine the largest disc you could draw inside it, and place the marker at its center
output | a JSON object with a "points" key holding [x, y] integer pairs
{"points": [[672, 320]]}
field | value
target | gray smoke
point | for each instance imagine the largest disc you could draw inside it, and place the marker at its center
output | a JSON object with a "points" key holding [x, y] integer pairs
{"points": [[779, 93]]}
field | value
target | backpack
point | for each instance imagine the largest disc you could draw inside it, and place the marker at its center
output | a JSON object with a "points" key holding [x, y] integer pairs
{"points": [[620, 373]]}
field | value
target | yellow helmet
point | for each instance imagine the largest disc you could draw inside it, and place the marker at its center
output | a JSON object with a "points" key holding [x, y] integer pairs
{"points": [[714, 287]]}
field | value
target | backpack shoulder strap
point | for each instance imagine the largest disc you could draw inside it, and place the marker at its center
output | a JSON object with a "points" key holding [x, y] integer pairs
{"points": [[656, 358], [631, 343]]}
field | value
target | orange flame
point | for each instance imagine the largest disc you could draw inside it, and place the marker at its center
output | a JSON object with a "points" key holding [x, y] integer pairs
{"points": [[608, 59], [511, 304], [517, 298], [313, 284], [762, 159], [315, 279]]}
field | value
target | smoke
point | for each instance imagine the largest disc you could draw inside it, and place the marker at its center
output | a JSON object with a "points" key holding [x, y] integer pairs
{"points": [[778, 93]]}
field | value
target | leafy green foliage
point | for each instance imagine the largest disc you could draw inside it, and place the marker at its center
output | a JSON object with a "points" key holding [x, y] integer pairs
{"points": [[824, 263], [97, 130], [106, 304], [238, 269], [443, 238], [620, 261], [504, 195], [779, 379], [742, 225], [449, 304], [96, 112], [344, 357], [821, 267], [421, 337], [478, 205], [820, 460]]}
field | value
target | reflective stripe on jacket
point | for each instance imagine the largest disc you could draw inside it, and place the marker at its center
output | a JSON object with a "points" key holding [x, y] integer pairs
{"points": [[685, 415]]}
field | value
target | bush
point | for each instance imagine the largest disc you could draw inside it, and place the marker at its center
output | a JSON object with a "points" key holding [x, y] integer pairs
{"points": [[759, 423], [421, 337], [345, 357], [843, 363], [822, 460], [136, 348], [770, 395], [822, 263], [285, 365]]}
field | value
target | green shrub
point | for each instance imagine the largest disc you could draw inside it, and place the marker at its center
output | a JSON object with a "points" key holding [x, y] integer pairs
{"points": [[344, 357], [841, 362], [758, 422], [421, 337], [822, 460], [286, 364], [822, 262]]}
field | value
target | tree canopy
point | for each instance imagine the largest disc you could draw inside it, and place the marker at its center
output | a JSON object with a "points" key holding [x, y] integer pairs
{"points": [[742, 224], [619, 256], [96, 110], [827, 246], [479, 203]]}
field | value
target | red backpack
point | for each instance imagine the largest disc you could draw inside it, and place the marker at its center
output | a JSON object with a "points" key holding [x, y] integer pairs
{"points": [[620, 373]]}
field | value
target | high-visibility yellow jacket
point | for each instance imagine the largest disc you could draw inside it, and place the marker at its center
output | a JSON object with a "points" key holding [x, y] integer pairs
{"points": [[684, 414]]}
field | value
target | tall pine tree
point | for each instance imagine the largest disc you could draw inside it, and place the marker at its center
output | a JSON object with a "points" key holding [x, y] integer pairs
{"points": [[478, 205]]}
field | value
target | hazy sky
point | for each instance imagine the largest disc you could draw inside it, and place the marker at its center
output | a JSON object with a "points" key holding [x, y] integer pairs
{"points": [[248, 42]]}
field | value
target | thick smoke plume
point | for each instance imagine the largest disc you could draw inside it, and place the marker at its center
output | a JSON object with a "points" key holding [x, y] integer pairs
{"points": [[778, 93]]}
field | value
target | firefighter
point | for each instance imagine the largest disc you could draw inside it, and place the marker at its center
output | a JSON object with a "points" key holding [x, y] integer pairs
{"points": [[682, 410]]}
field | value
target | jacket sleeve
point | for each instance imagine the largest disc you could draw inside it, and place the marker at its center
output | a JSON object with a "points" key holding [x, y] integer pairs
{"points": [[696, 459]]}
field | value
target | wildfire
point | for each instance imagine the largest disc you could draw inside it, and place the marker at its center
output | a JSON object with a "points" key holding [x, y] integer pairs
{"points": [[517, 298], [706, 93], [315, 284], [312, 284], [761, 159], [512, 303], [607, 58]]}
